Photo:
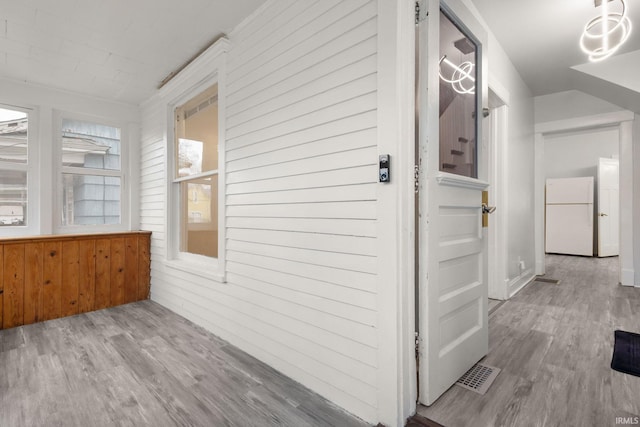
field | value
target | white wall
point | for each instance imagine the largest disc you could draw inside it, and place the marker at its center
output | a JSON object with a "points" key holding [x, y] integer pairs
{"points": [[576, 153], [516, 207], [301, 193], [636, 198], [515, 182], [570, 105], [301, 150], [45, 103]]}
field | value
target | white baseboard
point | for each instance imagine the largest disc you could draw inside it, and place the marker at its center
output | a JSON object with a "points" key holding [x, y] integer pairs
{"points": [[540, 265], [519, 282], [627, 277]]}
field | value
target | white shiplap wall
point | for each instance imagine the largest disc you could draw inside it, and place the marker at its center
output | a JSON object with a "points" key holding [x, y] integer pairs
{"points": [[301, 177]]}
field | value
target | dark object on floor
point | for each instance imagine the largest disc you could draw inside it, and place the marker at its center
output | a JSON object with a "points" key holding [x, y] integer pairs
{"points": [[420, 421], [626, 353]]}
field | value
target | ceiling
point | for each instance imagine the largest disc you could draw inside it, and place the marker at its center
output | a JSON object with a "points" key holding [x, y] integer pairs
{"points": [[114, 49], [122, 50], [542, 37]]}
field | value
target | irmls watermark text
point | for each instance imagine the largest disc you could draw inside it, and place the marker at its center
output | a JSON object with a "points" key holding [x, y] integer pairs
{"points": [[628, 421]]}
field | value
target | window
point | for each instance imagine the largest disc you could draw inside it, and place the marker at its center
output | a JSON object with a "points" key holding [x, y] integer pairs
{"points": [[195, 148], [458, 100], [195, 178], [91, 191], [14, 127]]}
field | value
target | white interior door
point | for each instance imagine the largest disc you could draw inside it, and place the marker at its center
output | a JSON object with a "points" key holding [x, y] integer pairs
{"points": [[608, 207], [453, 324]]}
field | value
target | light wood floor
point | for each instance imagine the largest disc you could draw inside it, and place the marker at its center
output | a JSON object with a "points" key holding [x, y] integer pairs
{"points": [[554, 344], [142, 365]]}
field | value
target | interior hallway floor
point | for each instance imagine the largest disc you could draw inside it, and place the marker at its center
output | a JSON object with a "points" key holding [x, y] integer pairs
{"points": [[142, 365], [554, 344]]}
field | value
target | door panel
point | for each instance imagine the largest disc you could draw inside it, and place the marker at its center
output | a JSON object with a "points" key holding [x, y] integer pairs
{"points": [[457, 273], [458, 330], [608, 208]]}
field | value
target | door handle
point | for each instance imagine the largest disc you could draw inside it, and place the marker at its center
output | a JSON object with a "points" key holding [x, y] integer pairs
{"points": [[486, 209], [602, 214]]}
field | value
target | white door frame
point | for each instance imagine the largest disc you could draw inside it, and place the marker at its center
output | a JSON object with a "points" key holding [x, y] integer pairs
{"points": [[624, 121], [396, 384], [495, 141]]}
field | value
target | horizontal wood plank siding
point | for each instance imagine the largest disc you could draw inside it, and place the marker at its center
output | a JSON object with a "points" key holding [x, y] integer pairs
{"points": [[301, 193]]}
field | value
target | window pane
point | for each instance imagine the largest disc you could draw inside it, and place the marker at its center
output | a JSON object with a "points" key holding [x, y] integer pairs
{"points": [[13, 198], [90, 200], [13, 136], [458, 95], [196, 127], [199, 219], [90, 145]]}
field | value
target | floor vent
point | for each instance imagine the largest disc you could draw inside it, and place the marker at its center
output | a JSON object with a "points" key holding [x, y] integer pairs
{"points": [[545, 280], [479, 378]]}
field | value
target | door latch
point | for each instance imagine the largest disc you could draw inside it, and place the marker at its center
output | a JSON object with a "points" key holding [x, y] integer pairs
{"points": [[486, 209]]}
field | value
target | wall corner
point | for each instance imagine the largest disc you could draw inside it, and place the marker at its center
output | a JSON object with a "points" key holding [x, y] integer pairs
{"points": [[396, 383]]}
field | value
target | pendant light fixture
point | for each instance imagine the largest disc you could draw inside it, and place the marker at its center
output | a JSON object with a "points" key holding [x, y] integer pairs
{"points": [[461, 79], [603, 35]]}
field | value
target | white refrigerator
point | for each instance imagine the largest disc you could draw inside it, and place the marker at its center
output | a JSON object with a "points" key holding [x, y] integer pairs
{"points": [[569, 216]]}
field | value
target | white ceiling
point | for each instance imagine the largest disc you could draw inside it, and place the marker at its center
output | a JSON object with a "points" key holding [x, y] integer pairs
{"points": [[122, 50], [113, 49], [623, 69], [542, 39]]}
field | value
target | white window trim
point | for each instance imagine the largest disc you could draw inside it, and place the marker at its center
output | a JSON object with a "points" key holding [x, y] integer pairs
{"points": [[33, 175], [203, 72], [196, 175], [59, 169]]}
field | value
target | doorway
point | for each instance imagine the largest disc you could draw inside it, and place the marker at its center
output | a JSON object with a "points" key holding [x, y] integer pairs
{"points": [[616, 127], [496, 143]]}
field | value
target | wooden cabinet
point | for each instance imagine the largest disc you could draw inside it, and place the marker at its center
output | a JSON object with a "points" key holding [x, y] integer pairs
{"points": [[47, 277]]}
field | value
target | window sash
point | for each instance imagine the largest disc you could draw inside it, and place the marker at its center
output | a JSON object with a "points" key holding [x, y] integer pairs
{"points": [[88, 171], [99, 204], [178, 92], [197, 176], [14, 195], [60, 224], [26, 167]]}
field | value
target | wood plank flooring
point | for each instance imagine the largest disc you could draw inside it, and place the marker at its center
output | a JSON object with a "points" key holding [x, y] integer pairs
{"points": [[554, 344], [142, 365], [493, 305]]}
